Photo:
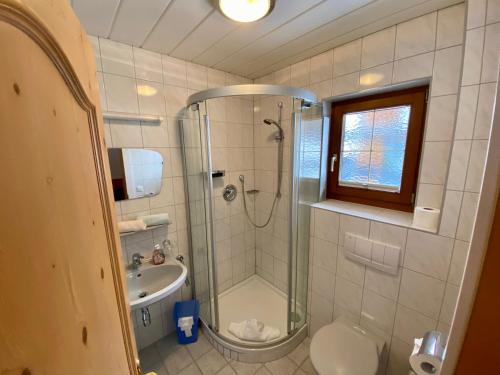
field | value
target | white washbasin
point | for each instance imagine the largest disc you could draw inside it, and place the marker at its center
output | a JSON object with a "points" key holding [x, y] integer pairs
{"points": [[151, 283]]}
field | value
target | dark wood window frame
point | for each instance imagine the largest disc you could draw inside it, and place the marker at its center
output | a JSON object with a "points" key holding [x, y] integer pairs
{"points": [[404, 200]]}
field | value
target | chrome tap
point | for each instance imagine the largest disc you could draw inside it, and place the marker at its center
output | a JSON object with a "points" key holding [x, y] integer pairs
{"points": [[136, 260]]}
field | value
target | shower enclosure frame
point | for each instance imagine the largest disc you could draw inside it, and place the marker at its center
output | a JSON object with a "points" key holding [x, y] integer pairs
{"points": [[306, 99]]}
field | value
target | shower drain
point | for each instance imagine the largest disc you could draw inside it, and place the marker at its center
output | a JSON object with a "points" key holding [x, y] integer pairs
{"points": [[143, 294]]}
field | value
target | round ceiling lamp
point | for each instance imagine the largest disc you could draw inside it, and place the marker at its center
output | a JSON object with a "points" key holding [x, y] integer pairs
{"points": [[246, 10]]}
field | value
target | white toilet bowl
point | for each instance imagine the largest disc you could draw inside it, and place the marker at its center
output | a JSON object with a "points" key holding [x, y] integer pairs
{"points": [[343, 348]]}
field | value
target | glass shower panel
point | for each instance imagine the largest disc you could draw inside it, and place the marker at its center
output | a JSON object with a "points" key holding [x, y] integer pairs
{"points": [[193, 133], [308, 134]]}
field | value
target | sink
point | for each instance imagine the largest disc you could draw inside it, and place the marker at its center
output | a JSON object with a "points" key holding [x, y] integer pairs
{"points": [[149, 283]]}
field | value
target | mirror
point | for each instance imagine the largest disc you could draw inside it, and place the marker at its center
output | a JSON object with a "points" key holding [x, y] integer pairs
{"points": [[135, 172]]}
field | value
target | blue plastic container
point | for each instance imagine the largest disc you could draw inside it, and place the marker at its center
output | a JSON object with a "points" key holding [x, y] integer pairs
{"points": [[186, 309]]}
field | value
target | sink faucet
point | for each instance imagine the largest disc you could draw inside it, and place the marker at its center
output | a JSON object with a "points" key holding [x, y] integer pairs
{"points": [[136, 260]]}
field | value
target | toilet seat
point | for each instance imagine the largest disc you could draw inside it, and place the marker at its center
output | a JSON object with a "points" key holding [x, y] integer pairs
{"points": [[341, 348]]}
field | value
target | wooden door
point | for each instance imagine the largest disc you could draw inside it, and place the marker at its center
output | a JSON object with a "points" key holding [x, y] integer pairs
{"points": [[481, 350], [63, 308]]}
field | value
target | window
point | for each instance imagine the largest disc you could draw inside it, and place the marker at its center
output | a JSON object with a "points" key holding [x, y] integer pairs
{"points": [[374, 149]]}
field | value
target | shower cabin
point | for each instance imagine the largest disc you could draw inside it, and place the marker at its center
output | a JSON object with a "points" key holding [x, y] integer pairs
{"points": [[253, 166]]}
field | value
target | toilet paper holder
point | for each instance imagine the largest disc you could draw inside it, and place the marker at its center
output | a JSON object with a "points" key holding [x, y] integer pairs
{"points": [[428, 353]]}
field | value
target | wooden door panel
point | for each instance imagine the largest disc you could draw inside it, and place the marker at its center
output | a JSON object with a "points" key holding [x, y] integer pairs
{"points": [[62, 305]]}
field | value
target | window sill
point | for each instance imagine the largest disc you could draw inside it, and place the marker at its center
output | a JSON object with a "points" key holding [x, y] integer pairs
{"points": [[383, 215]]}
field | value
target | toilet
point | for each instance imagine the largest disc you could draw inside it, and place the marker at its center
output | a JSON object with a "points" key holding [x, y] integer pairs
{"points": [[343, 347]]}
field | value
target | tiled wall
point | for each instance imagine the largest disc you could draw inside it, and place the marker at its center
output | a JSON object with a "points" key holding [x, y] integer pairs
{"points": [[426, 47], [123, 73], [424, 294]]}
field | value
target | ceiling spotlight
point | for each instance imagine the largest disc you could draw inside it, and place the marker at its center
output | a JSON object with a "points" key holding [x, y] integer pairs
{"points": [[246, 10]]}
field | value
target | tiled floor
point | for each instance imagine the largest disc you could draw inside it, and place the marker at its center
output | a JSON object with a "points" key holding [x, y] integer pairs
{"points": [[167, 357]]}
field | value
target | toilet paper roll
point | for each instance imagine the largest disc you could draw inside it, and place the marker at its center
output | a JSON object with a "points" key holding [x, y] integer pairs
{"points": [[428, 354], [426, 218]]}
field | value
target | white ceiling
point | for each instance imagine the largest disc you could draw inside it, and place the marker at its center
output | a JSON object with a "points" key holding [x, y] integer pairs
{"points": [[193, 30]]}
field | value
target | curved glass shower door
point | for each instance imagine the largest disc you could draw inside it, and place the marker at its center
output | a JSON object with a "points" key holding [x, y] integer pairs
{"points": [[198, 186]]}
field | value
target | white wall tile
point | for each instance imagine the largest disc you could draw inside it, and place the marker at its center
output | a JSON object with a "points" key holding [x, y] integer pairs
{"points": [[283, 76], [493, 11], [345, 84], [430, 195], [410, 324], [477, 162], [449, 303], [441, 118], [121, 94], [457, 266], [447, 71], [491, 53], [323, 282], [434, 163], [428, 254], [321, 67], [378, 311], [382, 283], [473, 56], [354, 225], [466, 112], [197, 78], [326, 225], [484, 111], [416, 36], [126, 134], [148, 65], [347, 58], [450, 212], [476, 13], [117, 58], [378, 48], [348, 295], [349, 270], [467, 216], [398, 358], [459, 158], [414, 67], [421, 293], [450, 26], [174, 71], [300, 73], [376, 77], [94, 41], [325, 254], [151, 98]]}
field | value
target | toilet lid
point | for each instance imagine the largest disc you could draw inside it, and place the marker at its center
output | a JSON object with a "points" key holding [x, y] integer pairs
{"points": [[340, 350]]}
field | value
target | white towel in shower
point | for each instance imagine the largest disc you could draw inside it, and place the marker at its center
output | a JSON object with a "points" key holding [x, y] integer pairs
{"points": [[254, 330]]}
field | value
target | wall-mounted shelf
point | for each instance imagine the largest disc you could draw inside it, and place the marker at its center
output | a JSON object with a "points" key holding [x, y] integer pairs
{"points": [[152, 227], [153, 119]]}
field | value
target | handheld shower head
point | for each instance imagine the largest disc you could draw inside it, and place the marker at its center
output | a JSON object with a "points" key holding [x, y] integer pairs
{"points": [[271, 122], [280, 129], [241, 178]]}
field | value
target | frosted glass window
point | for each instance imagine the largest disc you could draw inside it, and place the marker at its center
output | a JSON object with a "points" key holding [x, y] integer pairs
{"points": [[373, 148]]}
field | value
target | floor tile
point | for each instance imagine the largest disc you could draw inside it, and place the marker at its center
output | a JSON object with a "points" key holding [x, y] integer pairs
{"points": [[299, 354], [282, 366], [263, 371], [149, 356], [308, 367], [192, 369], [158, 368], [200, 347], [299, 372], [228, 370], [243, 368], [177, 360], [211, 362]]}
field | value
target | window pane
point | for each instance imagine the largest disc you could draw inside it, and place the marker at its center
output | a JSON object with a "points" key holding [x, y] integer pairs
{"points": [[357, 131], [390, 128], [373, 147], [354, 167], [386, 168]]}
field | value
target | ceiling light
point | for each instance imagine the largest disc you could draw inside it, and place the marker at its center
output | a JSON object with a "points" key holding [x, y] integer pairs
{"points": [[146, 90], [246, 10]]}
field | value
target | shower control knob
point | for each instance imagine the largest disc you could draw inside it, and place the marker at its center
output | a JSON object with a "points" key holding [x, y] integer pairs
{"points": [[229, 193]]}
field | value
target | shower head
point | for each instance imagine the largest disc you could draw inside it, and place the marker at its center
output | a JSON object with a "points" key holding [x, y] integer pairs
{"points": [[242, 178], [271, 122]]}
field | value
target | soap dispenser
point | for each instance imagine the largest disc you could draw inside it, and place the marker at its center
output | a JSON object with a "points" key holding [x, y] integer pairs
{"points": [[158, 255]]}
